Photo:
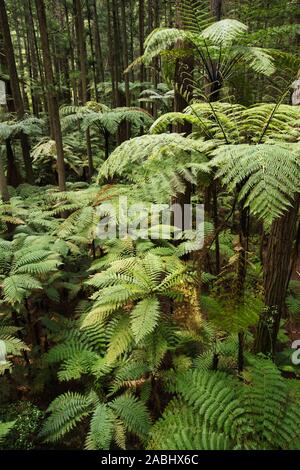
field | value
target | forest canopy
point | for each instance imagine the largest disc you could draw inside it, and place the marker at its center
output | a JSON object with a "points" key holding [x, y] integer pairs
{"points": [[149, 224]]}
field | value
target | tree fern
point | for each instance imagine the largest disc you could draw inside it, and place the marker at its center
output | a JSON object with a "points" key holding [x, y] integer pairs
{"points": [[66, 411], [230, 414], [270, 171]]}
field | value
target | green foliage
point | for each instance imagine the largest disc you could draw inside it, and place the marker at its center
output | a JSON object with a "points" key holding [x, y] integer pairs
{"points": [[66, 411], [20, 433], [224, 42], [28, 261], [106, 119], [268, 188], [108, 422], [229, 414], [5, 429]]}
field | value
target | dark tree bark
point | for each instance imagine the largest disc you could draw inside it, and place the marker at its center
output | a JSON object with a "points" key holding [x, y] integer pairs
{"points": [[216, 7], [125, 59], [111, 53], [98, 44], [93, 62], [52, 96], [118, 66], [15, 88], [19, 37], [13, 173], [71, 53], [32, 64], [36, 52], [183, 91], [3, 183], [142, 36], [277, 270], [125, 52], [81, 45]]}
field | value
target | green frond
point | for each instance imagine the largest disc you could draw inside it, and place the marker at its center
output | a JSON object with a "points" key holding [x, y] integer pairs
{"points": [[144, 317], [133, 413], [268, 173], [66, 411], [168, 119], [17, 286], [160, 40], [120, 338], [224, 32], [102, 426], [149, 148]]}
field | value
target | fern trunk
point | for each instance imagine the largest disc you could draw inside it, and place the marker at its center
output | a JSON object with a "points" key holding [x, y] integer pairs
{"points": [[277, 270]]}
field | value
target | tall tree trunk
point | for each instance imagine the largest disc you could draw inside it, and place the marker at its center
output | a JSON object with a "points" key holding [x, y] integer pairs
{"points": [[94, 65], [277, 271], [111, 53], [142, 37], [35, 52], [20, 36], [32, 65], [80, 34], [118, 59], [3, 183], [13, 174], [183, 91], [71, 53], [81, 46], [125, 59], [98, 45], [15, 88], [216, 7], [52, 97]]}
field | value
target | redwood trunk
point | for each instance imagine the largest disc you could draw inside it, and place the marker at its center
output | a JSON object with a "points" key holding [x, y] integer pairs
{"points": [[277, 270], [15, 88], [52, 97]]}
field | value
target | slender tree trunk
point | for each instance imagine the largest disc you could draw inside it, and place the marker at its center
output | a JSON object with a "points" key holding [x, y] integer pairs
{"points": [[71, 53], [31, 60], [98, 45], [125, 52], [111, 53], [118, 59], [142, 37], [35, 52], [92, 50], [52, 97], [125, 59], [81, 46], [13, 174], [80, 34], [216, 7], [183, 91], [131, 12], [19, 36], [3, 184], [15, 88]]}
